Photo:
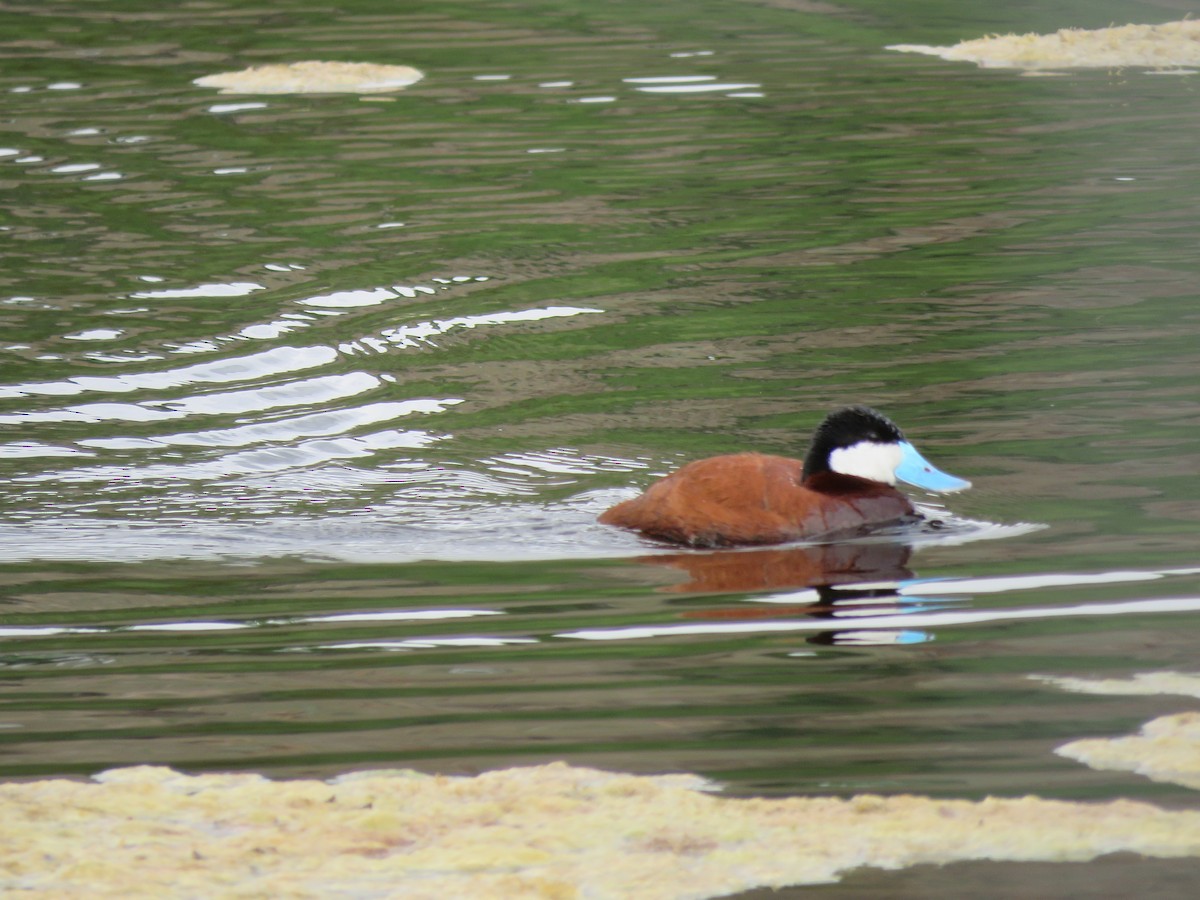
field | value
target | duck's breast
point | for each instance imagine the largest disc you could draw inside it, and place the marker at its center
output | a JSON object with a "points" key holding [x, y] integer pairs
{"points": [[847, 504]]}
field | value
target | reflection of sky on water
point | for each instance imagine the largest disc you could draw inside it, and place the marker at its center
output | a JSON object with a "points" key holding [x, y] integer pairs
{"points": [[905, 620], [901, 621], [313, 439], [281, 360], [427, 510]]}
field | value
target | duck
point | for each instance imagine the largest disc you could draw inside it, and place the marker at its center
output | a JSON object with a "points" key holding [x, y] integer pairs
{"points": [[845, 486]]}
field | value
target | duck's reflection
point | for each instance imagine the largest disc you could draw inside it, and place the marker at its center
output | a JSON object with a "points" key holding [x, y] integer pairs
{"points": [[845, 581], [773, 568]]}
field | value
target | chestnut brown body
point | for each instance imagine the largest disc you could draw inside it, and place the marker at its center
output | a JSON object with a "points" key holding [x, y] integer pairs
{"points": [[753, 498]]}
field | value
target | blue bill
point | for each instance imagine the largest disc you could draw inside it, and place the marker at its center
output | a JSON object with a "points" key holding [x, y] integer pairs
{"points": [[916, 469]]}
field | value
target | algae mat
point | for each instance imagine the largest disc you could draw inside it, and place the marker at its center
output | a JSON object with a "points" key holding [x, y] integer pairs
{"points": [[1169, 46], [546, 831]]}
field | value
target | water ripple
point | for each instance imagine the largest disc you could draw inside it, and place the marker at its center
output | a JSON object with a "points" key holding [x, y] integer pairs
{"points": [[251, 367], [305, 392], [311, 425]]}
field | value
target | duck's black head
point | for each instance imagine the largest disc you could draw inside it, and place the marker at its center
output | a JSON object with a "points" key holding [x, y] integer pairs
{"points": [[856, 440], [867, 444]]}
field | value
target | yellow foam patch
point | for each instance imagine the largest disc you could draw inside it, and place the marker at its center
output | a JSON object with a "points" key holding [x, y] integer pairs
{"points": [[314, 77], [551, 831], [1166, 749], [1171, 45], [1182, 683]]}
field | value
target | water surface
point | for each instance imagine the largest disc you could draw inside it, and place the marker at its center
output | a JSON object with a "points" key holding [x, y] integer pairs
{"points": [[308, 403]]}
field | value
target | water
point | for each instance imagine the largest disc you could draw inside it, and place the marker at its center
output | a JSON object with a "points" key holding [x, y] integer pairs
{"points": [[307, 408]]}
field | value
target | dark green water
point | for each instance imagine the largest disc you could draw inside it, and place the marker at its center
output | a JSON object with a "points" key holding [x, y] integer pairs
{"points": [[307, 408]]}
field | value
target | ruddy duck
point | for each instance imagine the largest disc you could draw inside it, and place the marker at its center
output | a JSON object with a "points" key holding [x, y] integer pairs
{"points": [[844, 486]]}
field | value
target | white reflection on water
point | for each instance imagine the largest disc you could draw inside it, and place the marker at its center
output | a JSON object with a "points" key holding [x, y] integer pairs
{"points": [[74, 168], [33, 450], [697, 88], [392, 615], [234, 289], [223, 108], [914, 620], [922, 588], [297, 393], [188, 626], [427, 643], [267, 331], [306, 392], [261, 365], [404, 615], [1025, 582], [255, 366], [423, 333], [305, 454], [910, 627], [120, 357], [312, 425], [44, 630], [693, 84], [347, 299], [95, 334], [670, 79], [560, 461]]}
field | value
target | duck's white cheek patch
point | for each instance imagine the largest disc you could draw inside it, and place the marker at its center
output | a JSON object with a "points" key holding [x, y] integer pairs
{"points": [[866, 459]]}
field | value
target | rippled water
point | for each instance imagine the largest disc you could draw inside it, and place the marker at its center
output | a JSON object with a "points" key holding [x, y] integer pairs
{"points": [[308, 403]]}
